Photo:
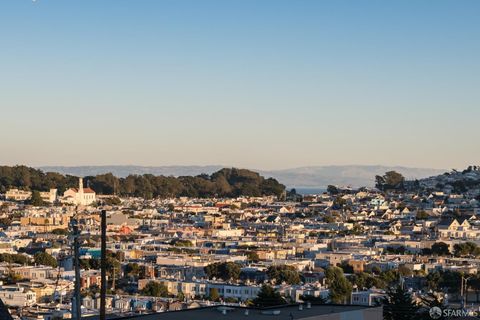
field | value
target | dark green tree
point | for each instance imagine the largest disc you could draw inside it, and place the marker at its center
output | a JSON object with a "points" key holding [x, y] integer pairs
{"points": [[283, 273], [440, 249], [132, 269], [391, 180], [332, 190], [268, 297], [228, 271], [398, 305], [44, 259], [466, 249], [422, 215], [36, 200], [155, 289], [253, 256]]}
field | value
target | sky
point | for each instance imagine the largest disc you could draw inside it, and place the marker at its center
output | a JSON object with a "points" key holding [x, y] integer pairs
{"points": [[264, 84]]}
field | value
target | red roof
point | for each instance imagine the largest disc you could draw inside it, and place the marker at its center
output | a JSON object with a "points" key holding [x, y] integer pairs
{"points": [[85, 190]]}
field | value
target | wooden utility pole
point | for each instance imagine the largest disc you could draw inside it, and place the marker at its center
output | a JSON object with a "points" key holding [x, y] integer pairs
{"points": [[103, 265], [76, 301]]}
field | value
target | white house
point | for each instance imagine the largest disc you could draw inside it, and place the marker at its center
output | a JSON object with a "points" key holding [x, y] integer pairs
{"points": [[368, 298], [14, 296]]}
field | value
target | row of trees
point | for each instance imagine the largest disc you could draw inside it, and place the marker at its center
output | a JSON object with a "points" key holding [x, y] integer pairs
{"points": [[228, 182], [465, 249], [40, 258]]}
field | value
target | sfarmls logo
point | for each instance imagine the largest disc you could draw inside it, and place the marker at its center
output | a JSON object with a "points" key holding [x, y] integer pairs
{"points": [[437, 313]]}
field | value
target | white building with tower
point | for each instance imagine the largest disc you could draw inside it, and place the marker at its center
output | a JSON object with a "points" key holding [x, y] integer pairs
{"points": [[81, 196]]}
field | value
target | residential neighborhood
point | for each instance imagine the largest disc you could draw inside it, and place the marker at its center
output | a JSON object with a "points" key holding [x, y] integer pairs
{"points": [[344, 247]]}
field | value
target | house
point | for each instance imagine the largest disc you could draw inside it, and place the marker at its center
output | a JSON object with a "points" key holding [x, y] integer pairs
{"points": [[18, 195], [17, 296], [49, 196], [457, 229], [370, 297]]}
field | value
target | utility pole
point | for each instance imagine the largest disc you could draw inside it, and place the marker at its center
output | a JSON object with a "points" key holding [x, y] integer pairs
{"points": [[113, 279], [464, 290], [76, 301], [103, 265]]}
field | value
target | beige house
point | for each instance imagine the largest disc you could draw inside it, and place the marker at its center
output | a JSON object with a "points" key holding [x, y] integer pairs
{"points": [[457, 230], [18, 195]]}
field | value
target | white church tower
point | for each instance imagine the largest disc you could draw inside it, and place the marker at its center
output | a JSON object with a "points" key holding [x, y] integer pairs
{"points": [[80, 196]]}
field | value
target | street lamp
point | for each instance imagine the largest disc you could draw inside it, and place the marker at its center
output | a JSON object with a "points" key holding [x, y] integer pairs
{"points": [[464, 290]]}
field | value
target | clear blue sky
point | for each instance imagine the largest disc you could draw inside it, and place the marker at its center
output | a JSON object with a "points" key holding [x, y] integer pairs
{"points": [[257, 84]]}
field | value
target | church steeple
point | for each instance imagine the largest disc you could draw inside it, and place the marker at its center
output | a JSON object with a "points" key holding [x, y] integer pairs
{"points": [[80, 184], [81, 199]]}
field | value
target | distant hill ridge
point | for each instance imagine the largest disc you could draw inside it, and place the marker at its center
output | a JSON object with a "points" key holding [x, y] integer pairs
{"points": [[302, 177]]}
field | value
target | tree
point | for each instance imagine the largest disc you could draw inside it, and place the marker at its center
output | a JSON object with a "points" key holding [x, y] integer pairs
{"points": [[339, 203], [155, 289], [466, 249], [223, 270], [391, 180], [227, 182], [112, 201], [268, 297], [60, 232], [14, 258], [428, 302], [396, 250], [283, 273], [253, 256], [346, 267], [113, 265], [366, 281], [313, 300], [181, 296], [398, 305], [44, 259], [404, 271], [422, 215], [132, 269], [6, 222], [36, 200], [340, 287], [440, 248], [213, 294], [332, 190], [390, 276], [474, 283], [182, 243], [450, 281]]}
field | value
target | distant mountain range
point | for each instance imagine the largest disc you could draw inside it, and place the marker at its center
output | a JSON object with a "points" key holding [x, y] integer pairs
{"points": [[315, 177]]}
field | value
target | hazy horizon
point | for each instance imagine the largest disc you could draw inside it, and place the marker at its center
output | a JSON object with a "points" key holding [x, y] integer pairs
{"points": [[230, 166], [268, 84]]}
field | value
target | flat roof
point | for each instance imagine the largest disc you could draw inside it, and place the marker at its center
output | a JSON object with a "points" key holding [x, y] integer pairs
{"points": [[237, 313]]}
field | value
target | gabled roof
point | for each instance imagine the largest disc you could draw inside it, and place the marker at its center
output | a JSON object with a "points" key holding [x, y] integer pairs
{"points": [[88, 190], [446, 222]]}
